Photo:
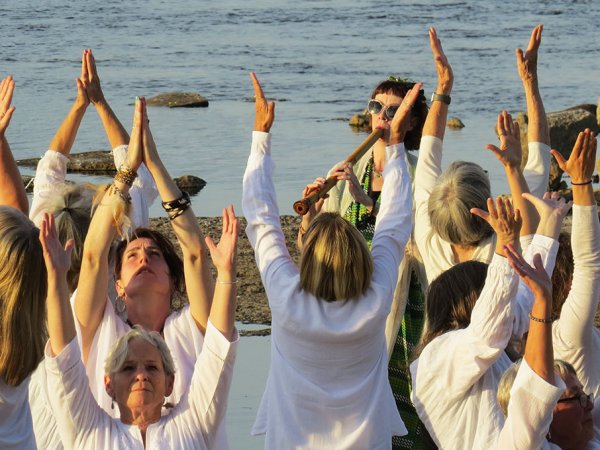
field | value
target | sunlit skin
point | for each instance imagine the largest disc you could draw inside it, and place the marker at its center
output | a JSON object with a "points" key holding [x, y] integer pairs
{"points": [[140, 386], [145, 284], [572, 425]]}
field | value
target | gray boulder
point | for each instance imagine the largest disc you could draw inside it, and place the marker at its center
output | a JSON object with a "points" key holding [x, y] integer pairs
{"points": [[178, 100], [190, 184], [564, 127], [98, 162]]}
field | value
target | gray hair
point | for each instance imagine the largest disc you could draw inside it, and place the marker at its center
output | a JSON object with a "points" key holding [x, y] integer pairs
{"points": [[462, 186], [561, 368], [118, 353]]}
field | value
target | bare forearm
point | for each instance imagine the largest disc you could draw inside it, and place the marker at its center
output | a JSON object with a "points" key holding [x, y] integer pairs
{"points": [[61, 326], [12, 191], [198, 277], [112, 126], [435, 124], [222, 313], [67, 131], [518, 186], [537, 128], [538, 350]]}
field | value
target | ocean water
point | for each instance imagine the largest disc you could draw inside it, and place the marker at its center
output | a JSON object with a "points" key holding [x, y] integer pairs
{"points": [[318, 59]]}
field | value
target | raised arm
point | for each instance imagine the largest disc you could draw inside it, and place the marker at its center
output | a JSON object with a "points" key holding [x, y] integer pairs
{"points": [[429, 165], [509, 154], [12, 191], [224, 257], [576, 320], [259, 200], [114, 129], [64, 137], [536, 389], [537, 168], [198, 278], [92, 290], [61, 326]]}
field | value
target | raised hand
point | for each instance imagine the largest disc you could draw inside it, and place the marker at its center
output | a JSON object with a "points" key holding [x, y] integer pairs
{"points": [[443, 67], [7, 87], [401, 122], [265, 111], [93, 89], [505, 221], [136, 150], [510, 152], [527, 62], [315, 208], [344, 172], [82, 83], [580, 165], [224, 254], [56, 257], [536, 278], [552, 209]]}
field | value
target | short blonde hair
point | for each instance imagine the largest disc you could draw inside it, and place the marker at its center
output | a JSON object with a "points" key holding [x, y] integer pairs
{"points": [[118, 353], [336, 263], [561, 368], [462, 186], [23, 285]]}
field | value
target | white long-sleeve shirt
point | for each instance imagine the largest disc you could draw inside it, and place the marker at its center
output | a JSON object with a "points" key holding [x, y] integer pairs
{"points": [[455, 379], [191, 424], [327, 385], [530, 410], [16, 430]]}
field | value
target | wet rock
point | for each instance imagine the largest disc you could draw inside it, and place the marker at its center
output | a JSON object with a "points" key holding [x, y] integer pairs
{"points": [[455, 123], [190, 184], [361, 121], [98, 162], [178, 100]]}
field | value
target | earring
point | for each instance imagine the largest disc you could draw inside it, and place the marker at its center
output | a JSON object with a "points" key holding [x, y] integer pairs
{"points": [[112, 403], [120, 306]]}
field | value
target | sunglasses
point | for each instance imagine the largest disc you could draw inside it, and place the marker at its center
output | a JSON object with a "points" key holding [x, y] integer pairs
{"points": [[584, 399], [375, 107]]}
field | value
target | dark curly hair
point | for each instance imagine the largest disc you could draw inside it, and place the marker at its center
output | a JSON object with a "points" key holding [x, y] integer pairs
{"points": [[400, 87]]}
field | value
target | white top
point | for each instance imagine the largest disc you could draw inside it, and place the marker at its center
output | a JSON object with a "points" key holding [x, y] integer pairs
{"points": [[532, 401], [327, 385], [455, 379], [50, 177], [437, 253], [16, 431], [574, 336], [191, 424]]}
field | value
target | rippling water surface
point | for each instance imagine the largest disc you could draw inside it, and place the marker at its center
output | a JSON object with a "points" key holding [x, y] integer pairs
{"points": [[318, 59]]}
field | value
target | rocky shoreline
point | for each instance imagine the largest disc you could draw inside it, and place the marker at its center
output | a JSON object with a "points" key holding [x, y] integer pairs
{"points": [[252, 307]]}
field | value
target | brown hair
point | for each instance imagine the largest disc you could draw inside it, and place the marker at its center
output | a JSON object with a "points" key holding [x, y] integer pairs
{"points": [[450, 300], [169, 253], [23, 286], [336, 263], [562, 274], [399, 88]]}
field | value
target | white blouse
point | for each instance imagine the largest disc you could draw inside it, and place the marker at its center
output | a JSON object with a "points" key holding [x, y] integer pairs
{"points": [[16, 432], [191, 424], [327, 385]]}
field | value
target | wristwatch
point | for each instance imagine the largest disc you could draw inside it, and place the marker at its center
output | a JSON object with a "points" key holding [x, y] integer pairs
{"points": [[435, 97]]}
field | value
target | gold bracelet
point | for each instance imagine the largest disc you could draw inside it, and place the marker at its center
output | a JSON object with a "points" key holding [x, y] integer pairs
{"points": [[114, 190], [126, 175]]}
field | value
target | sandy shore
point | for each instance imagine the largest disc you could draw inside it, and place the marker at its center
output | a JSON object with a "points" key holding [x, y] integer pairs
{"points": [[252, 304]]}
